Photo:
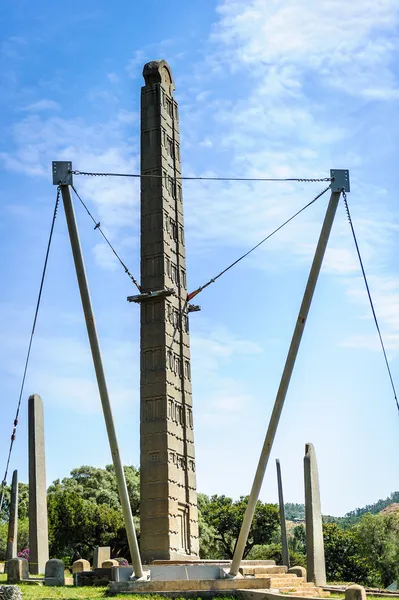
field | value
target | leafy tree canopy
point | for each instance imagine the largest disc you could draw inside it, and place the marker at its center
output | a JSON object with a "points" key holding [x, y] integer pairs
{"points": [[225, 517]]}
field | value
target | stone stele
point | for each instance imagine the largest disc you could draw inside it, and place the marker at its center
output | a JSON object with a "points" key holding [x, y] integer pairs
{"points": [[316, 568], [17, 570], [11, 551], [168, 497], [101, 554], [80, 565], [54, 573], [355, 592], [108, 564], [38, 526]]}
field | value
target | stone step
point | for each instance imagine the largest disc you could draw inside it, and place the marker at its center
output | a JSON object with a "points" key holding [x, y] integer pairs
{"points": [[306, 592], [284, 579], [263, 569]]}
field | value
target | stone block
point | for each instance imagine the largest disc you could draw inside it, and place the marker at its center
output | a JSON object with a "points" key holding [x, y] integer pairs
{"points": [[355, 592], [80, 565], [100, 577], [177, 572], [108, 564], [122, 573], [298, 571], [17, 570], [54, 573], [101, 554], [10, 592]]}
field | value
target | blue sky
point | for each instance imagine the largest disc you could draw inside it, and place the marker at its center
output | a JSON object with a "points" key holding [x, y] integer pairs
{"points": [[287, 88]]}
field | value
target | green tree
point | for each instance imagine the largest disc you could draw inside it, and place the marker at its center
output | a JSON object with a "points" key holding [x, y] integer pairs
{"points": [[274, 552], [79, 524], [297, 541], [23, 502], [99, 485], [378, 541], [344, 561], [224, 516]]}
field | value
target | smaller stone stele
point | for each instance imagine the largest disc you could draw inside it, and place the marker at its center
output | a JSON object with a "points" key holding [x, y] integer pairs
{"points": [[108, 564], [355, 592], [80, 565], [17, 570], [298, 571], [54, 573], [101, 554]]}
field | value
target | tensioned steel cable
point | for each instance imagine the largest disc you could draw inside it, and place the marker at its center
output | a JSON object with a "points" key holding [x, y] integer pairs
{"points": [[370, 298], [4, 482], [98, 227], [186, 178], [202, 287]]}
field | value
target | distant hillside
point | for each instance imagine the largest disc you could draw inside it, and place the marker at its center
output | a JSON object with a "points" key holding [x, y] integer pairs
{"points": [[355, 515], [296, 512]]}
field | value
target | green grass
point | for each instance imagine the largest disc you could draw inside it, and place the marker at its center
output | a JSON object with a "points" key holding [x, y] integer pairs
{"points": [[40, 592]]}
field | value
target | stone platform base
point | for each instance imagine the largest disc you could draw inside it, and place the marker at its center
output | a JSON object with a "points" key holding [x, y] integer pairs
{"points": [[195, 587]]}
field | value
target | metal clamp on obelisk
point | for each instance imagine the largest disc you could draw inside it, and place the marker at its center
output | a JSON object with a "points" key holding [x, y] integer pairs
{"points": [[62, 176]]}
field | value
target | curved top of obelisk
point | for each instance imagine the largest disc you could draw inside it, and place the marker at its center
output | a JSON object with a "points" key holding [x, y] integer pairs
{"points": [[158, 71]]}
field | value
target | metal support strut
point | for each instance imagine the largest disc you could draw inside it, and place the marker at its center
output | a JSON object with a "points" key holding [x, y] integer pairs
{"points": [[62, 176], [339, 183]]}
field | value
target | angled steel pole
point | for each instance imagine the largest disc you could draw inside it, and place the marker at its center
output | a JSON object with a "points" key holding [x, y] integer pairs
{"points": [[62, 176], [284, 540], [340, 181]]}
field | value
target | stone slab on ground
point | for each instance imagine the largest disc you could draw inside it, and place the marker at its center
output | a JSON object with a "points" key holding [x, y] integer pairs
{"points": [[10, 592], [33, 581]]}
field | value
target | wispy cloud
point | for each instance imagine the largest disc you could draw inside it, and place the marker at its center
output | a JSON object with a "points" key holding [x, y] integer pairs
{"points": [[42, 105]]}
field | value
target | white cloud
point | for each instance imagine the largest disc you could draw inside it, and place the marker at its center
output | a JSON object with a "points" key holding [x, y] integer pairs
{"points": [[347, 43], [113, 77], [42, 105]]}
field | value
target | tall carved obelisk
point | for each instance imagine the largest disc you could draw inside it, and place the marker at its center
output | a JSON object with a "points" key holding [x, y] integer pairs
{"points": [[168, 501]]}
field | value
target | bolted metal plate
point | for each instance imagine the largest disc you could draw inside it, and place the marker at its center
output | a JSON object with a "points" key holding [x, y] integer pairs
{"points": [[62, 172], [340, 180]]}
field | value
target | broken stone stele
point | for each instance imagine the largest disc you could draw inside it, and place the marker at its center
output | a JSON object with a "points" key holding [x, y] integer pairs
{"points": [[17, 570], [316, 567], [54, 573], [168, 497]]}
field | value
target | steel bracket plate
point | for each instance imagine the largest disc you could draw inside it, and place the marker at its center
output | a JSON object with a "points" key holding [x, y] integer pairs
{"points": [[62, 172], [340, 180]]}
